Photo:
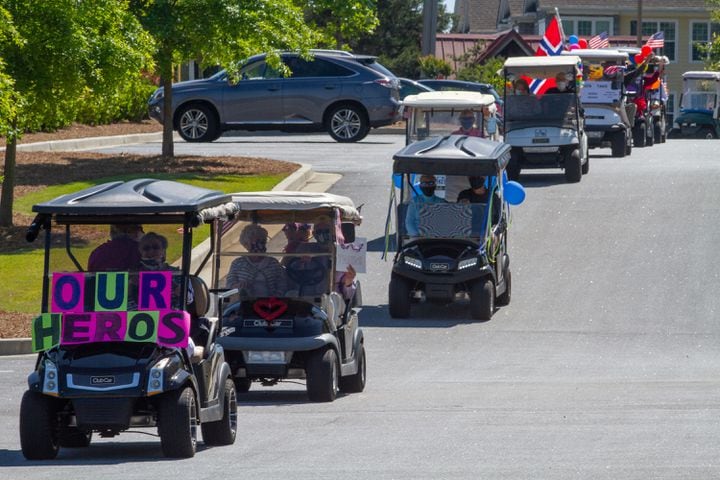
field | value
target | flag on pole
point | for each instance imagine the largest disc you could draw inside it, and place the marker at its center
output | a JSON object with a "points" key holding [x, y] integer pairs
{"points": [[599, 41], [656, 40], [552, 41]]}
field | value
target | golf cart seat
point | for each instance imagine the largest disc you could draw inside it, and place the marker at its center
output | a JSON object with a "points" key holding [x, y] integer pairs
{"points": [[202, 329]]}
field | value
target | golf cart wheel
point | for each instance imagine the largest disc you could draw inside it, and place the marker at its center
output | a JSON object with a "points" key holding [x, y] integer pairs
{"points": [[513, 167], [586, 166], [573, 166], [482, 299], [197, 123], [322, 375], [38, 427], [504, 299], [399, 298], [242, 385], [355, 383], [347, 123], [639, 135], [658, 134], [707, 134], [177, 423], [73, 437], [224, 430], [650, 139], [618, 144]]}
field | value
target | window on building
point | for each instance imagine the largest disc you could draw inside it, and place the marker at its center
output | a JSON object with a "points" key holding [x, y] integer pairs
{"points": [[587, 26], [701, 33], [668, 28]]}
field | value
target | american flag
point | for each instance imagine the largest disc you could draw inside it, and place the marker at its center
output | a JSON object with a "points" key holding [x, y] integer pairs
{"points": [[611, 70], [599, 41], [656, 40]]}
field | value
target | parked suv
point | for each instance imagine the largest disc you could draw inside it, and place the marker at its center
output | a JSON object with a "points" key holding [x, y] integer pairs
{"points": [[343, 93]]}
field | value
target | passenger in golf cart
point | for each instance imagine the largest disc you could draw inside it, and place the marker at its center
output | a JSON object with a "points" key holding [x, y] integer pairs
{"points": [[442, 113], [297, 316], [459, 249], [113, 345]]}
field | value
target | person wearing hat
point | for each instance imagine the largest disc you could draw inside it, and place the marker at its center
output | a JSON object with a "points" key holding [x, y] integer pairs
{"points": [[120, 253], [428, 183]]}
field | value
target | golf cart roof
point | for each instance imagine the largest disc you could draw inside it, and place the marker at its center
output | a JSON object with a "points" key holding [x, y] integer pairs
{"points": [[453, 155], [449, 99], [600, 54], [145, 196], [702, 75], [298, 202], [541, 66]]}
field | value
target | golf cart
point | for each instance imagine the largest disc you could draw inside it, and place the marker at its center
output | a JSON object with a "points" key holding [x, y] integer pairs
{"points": [[699, 107], [545, 130], [292, 318], [438, 114], [608, 119], [657, 99], [456, 250], [114, 347]]}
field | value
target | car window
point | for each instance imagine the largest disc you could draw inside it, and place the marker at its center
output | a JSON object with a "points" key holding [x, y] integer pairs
{"points": [[259, 71], [316, 68]]}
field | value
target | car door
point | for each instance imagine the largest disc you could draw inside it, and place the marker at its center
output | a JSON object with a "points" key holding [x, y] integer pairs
{"points": [[311, 87], [256, 98]]}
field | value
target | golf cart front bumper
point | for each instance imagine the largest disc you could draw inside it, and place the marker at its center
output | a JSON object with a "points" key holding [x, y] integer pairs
{"points": [[442, 285]]}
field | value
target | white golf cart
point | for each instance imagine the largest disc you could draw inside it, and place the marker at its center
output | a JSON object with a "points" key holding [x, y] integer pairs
{"points": [[545, 130]]}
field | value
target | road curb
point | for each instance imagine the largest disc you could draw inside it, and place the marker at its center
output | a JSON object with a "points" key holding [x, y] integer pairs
{"points": [[88, 143]]}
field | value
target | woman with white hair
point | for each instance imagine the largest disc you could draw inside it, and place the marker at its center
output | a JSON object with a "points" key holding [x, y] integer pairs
{"points": [[256, 275]]}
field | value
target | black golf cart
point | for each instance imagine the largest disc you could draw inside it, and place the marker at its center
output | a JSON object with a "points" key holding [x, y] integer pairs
{"points": [[454, 250], [292, 319], [126, 346]]}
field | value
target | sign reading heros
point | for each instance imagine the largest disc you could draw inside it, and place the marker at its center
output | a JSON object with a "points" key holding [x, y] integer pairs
{"points": [[74, 320]]}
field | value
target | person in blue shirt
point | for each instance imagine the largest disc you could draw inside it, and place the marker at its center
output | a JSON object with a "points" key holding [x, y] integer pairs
{"points": [[426, 195]]}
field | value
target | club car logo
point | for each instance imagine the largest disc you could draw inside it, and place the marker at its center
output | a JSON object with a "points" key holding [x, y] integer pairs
{"points": [[439, 266], [104, 380]]}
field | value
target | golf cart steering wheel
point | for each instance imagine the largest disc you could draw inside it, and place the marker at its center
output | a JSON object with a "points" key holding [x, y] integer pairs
{"points": [[306, 273]]}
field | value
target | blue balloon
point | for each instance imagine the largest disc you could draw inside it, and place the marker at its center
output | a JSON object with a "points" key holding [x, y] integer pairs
{"points": [[573, 39], [514, 193]]}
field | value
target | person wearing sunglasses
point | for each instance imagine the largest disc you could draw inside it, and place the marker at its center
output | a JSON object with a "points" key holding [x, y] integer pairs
{"points": [[427, 185], [257, 274], [153, 249]]}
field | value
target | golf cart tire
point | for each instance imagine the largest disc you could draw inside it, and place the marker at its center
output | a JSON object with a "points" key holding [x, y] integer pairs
{"points": [[513, 168], [73, 437], [177, 423], [38, 427], [482, 299], [639, 135], [586, 166], [573, 167], [224, 430], [504, 299], [322, 375], [650, 139], [658, 134], [618, 144], [399, 298], [355, 383], [242, 385], [707, 134]]}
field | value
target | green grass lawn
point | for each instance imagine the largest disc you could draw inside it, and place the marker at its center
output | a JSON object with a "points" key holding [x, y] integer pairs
{"points": [[21, 271]]}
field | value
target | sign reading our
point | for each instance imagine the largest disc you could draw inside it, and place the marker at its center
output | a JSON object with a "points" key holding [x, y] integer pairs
{"points": [[94, 308]]}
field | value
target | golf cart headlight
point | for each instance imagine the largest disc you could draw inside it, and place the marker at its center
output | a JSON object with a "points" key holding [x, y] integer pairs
{"points": [[413, 262], [156, 380], [467, 263], [265, 356], [50, 383]]}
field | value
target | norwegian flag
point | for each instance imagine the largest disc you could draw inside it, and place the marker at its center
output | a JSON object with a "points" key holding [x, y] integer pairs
{"points": [[552, 41], [656, 40], [599, 41]]}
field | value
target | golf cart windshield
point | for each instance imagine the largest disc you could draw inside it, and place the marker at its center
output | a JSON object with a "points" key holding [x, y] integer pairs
{"points": [[699, 95], [548, 110]]}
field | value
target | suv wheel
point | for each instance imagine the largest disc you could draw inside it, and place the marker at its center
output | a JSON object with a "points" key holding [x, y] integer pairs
{"points": [[224, 430], [347, 123], [177, 418], [322, 375], [355, 383], [38, 427], [197, 123], [482, 299]]}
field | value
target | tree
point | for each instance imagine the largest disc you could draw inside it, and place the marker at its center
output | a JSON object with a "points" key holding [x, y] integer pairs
{"points": [[62, 48], [218, 32], [396, 40], [485, 72], [341, 21]]}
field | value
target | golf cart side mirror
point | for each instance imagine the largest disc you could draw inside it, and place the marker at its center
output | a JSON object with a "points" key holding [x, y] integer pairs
{"points": [[348, 231]]}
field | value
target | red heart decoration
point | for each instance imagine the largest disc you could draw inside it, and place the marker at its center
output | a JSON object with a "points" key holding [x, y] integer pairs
{"points": [[269, 308]]}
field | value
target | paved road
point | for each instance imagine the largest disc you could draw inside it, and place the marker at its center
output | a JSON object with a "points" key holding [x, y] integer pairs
{"points": [[605, 364]]}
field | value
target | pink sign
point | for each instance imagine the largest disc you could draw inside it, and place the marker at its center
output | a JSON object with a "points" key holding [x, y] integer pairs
{"points": [[68, 292]]}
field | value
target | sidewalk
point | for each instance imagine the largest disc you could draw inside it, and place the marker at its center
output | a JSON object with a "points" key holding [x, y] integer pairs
{"points": [[303, 179]]}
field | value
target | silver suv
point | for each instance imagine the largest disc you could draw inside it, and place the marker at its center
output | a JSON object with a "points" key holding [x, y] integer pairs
{"points": [[340, 92]]}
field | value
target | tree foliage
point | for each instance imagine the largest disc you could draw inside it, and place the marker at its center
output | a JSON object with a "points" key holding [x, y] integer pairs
{"points": [[340, 21], [485, 72], [433, 67]]}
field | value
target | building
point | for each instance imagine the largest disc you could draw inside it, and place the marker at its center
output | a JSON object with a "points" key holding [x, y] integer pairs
{"points": [[685, 23]]}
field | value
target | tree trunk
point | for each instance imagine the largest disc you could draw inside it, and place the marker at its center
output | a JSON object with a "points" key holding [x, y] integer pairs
{"points": [[168, 147], [8, 184]]}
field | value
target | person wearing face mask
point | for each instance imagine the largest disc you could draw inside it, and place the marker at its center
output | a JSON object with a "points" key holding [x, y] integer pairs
{"points": [[561, 84], [467, 125], [428, 184], [256, 275]]}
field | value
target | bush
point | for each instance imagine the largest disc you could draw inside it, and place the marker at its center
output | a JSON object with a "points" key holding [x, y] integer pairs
{"points": [[434, 67]]}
